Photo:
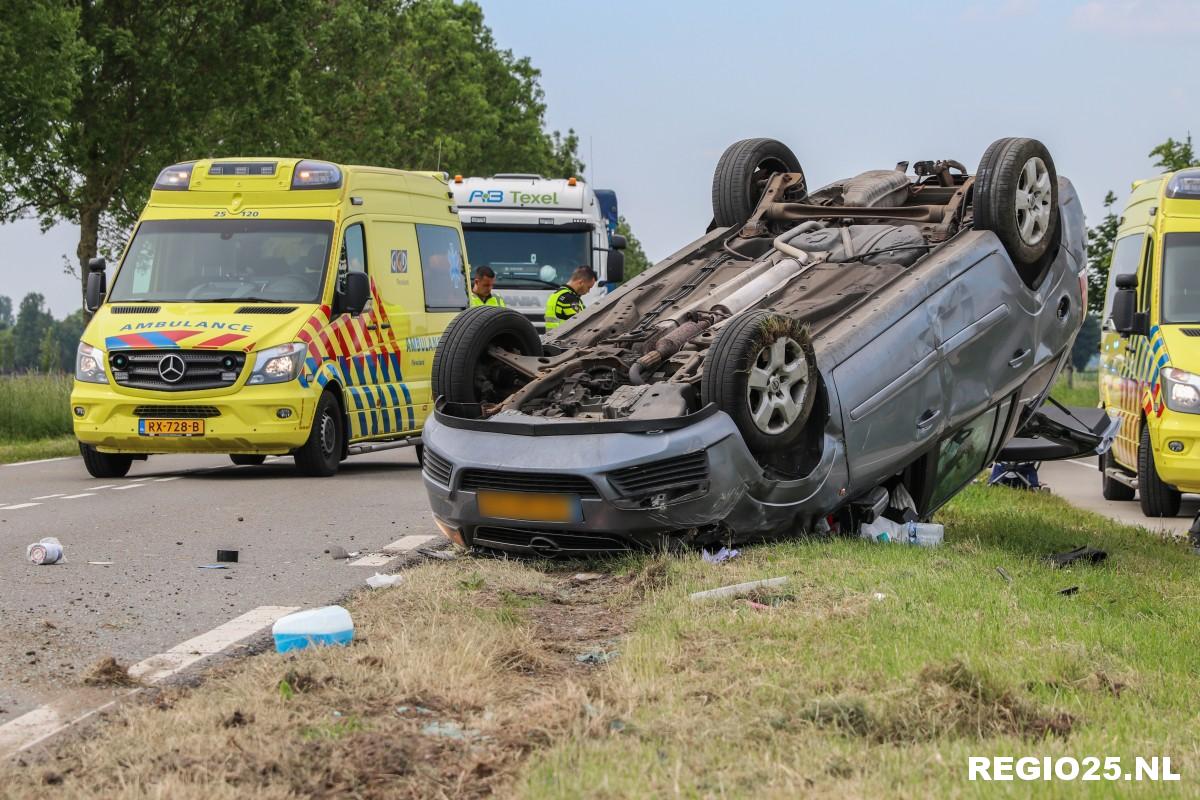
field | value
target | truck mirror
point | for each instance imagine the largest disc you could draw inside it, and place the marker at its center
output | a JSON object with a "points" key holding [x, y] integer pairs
{"points": [[96, 286], [617, 242], [615, 267], [357, 291]]}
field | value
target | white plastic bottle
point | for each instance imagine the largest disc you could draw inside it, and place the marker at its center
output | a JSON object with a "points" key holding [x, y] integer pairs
{"points": [[924, 534]]}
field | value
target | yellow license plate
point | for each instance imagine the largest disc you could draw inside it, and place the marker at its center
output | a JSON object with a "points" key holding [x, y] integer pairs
{"points": [[171, 427], [529, 506]]}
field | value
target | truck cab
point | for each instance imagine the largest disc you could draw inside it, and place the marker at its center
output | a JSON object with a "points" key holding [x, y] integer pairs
{"points": [[533, 232], [1150, 347]]}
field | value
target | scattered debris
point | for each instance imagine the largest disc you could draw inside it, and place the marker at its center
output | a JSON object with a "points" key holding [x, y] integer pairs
{"points": [[237, 720], [1070, 590], [107, 672], [240, 519], [1003, 574], [724, 554], [414, 710], [879, 596], [440, 555], [451, 730], [337, 552], [757, 606], [586, 577], [921, 534], [378, 581], [101, 563], [227, 556], [737, 589], [1084, 553], [329, 625], [597, 657], [213, 566], [45, 552]]}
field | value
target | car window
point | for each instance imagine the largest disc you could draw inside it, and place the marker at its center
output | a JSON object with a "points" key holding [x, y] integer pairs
{"points": [[1181, 278], [1124, 262], [442, 268], [353, 255], [1146, 283]]}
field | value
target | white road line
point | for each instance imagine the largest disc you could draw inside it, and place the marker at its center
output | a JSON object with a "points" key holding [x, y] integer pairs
{"points": [[1081, 463], [48, 496], [183, 655], [42, 723], [77, 496], [101, 486], [373, 560], [127, 486], [38, 461], [404, 545], [22, 505], [164, 480]]}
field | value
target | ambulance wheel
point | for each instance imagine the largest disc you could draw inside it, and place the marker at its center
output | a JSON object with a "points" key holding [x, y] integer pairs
{"points": [[247, 459], [320, 455], [463, 372], [762, 372], [1016, 198], [1112, 489], [1157, 498], [104, 465], [742, 174]]}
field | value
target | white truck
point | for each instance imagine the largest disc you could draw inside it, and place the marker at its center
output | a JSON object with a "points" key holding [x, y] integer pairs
{"points": [[533, 232]]}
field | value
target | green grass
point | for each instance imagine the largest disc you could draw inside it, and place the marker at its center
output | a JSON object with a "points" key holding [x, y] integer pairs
{"points": [[35, 417], [1083, 392], [836, 692]]}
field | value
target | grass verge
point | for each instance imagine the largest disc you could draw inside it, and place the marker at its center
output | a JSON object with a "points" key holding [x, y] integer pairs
{"points": [[876, 671], [1083, 390], [55, 447], [35, 418]]}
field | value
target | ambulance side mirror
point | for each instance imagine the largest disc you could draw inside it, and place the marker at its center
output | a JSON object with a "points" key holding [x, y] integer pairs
{"points": [[97, 285], [353, 298], [1125, 318]]}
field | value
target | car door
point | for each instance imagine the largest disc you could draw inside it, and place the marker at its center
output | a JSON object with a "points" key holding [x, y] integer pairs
{"points": [[393, 323], [1119, 391]]}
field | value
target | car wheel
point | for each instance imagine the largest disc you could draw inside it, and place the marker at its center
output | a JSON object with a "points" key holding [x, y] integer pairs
{"points": [[762, 372], [320, 455], [742, 174], [1112, 489], [457, 375], [247, 459], [1157, 498], [1016, 197], [104, 465]]}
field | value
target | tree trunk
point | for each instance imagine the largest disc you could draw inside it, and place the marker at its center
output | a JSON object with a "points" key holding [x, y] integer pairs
{"points": [[89, 236], [1070, 376]]}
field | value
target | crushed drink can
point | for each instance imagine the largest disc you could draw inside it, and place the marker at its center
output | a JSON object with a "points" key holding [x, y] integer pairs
{"points": [[47, 551]]}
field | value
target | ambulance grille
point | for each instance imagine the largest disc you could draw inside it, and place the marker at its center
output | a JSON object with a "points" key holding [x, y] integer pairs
{"points": [[177, 412], [203, 369], [676, 475], [476, 479], [437, 468], [265, 310], [134, 309], [1190, 331]]}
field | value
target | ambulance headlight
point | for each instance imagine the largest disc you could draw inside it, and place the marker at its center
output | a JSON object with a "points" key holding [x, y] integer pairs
{"points": [[1181, 390], [89, 364], [278, 364]]}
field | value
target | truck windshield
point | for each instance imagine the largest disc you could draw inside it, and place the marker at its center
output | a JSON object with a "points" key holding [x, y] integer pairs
{"points": [[1181, 278], [528, 259], [225, 260]]}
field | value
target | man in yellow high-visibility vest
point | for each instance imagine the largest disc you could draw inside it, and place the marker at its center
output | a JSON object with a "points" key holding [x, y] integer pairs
{"points": [[481, 288], [567, 301]]}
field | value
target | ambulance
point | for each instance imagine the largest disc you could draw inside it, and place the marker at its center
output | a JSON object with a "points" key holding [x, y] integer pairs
{"points": [[533, 232], [1150, 347], [270, 306]]}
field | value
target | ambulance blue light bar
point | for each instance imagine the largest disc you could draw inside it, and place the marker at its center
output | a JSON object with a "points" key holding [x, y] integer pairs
{"points": [[1185, 185], [316, 175], [175, 178]]}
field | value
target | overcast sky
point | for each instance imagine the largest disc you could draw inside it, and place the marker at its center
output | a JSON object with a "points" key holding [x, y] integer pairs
{"points": [[657, 90]]}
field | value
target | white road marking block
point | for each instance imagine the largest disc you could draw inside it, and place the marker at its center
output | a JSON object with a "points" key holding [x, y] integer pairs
{"points": [[373, 560], [77, 496], [405, 545], [33, 728], [22, 505], [182, 656], [128, 486], [48, 496], [101, 486]]}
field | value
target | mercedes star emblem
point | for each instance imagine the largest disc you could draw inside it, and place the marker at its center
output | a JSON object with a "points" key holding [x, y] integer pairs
{"points": [[171, 368]]}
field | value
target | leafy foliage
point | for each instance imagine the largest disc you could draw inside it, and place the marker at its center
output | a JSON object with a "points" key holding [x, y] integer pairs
{"points": [[1173, 155], [1100, 240], [636, 261], [1087, 343]]}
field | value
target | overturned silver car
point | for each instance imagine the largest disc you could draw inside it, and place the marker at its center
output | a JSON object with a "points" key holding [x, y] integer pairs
{"points": [[894, 329]]}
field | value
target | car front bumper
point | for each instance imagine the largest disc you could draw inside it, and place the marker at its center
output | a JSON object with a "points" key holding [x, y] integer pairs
{"points": [[633, 490]]}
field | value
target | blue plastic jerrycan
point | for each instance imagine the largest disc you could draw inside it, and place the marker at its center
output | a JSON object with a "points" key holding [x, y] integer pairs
{"points": [[328, 625]]}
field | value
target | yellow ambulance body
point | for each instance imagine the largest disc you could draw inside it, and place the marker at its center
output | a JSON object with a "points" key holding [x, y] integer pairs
{"points": [[270, 306]]}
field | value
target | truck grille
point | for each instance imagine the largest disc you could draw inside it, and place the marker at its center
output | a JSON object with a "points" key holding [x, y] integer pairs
{"points": [[476, 479], [176, 412], [437, 468], [680, 475], [202, 369]]}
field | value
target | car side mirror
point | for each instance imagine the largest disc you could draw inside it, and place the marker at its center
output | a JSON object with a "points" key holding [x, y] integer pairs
{"points": [[1125, 318], [615, 266], [617, 242], [353, 297], [97, 285]]}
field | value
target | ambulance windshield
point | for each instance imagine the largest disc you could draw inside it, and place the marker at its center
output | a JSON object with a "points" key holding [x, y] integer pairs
{"points": [[213, 261], [528, 258]]}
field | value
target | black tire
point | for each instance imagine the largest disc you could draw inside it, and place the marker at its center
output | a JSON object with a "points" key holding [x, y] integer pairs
{"points": [[726, 381], [104, 465], [320, 455], [456, 374], [1157, 499], [1111, 489], [1002, 180], [247, 459], [742, 174]]}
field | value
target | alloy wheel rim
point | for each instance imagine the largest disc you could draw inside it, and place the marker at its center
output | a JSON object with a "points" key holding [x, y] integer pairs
{"points": [[1033, 199], [778, 385]]}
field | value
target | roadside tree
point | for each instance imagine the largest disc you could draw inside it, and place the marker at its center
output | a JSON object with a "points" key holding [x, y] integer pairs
{"points": [[30, 329], [636, 261]]}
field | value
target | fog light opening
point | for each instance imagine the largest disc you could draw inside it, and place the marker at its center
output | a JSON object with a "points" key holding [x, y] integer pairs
{"points": [[79, 411], [1175, 446], [284, 413], [449, 531]]}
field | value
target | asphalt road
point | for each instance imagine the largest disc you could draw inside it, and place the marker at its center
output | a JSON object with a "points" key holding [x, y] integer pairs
{"points": [[1078, 482], [158, 526]]}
